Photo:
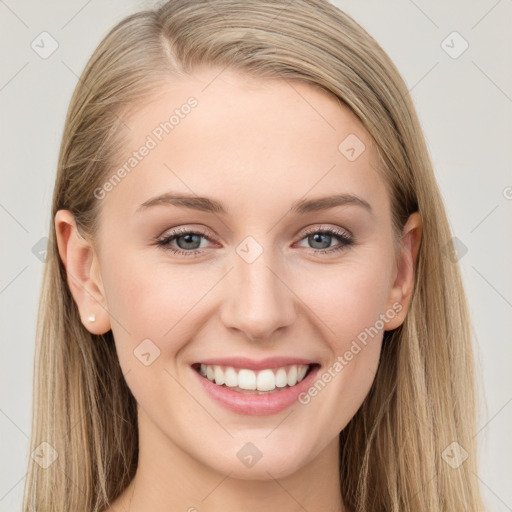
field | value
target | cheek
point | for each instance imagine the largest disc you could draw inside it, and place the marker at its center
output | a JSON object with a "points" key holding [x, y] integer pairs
{"points": [[349, 301], [155, 301], [349, 304], [153, 316]]}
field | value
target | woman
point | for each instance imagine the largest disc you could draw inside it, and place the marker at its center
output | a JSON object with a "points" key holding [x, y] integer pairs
{"points": [[310, 350]]}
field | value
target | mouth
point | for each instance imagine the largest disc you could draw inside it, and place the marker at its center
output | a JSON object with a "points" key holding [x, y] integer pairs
{"points": [[253, 387], [247, 381]]}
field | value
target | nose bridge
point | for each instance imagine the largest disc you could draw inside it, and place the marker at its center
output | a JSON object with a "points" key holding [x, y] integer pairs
{"points": [[258, 302]]}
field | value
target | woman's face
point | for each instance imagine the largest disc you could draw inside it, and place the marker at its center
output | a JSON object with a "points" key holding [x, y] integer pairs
{"points": [[270, 272]]}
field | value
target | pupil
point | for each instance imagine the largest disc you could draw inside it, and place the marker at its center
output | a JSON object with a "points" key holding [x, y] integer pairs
{"points": [[189, 239], [317, 237]]}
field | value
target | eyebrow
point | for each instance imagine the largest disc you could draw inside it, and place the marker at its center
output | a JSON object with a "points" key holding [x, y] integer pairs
{"points": [[209, 205]]}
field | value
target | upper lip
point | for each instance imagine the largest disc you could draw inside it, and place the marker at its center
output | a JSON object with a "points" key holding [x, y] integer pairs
{"points": [[253, 364]]}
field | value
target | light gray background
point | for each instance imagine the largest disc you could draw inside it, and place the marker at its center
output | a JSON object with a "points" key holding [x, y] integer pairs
{"points": [[464, 104]]}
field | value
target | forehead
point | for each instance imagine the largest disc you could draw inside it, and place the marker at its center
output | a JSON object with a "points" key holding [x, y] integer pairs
{"points": [[246, 141]]}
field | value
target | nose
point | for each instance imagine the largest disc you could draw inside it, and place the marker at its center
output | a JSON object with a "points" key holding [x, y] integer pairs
{"points": [[258, 301]]}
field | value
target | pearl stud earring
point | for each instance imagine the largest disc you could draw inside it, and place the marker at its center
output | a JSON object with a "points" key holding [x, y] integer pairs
{"points": [[92, 318]]}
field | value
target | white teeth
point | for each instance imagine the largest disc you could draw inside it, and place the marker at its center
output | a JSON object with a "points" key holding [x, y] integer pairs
{"points": [[218, 374], [281, 378], [292, 376], [301, 372], [264, 380], [231, 378], [246, 379]]}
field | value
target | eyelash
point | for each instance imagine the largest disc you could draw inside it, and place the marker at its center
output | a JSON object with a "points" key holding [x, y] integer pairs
{"points": [[340, 235]]}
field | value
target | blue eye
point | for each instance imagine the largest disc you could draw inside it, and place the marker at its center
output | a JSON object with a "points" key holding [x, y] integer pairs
{"points": [[189, 242], [321, 235], [186, 238]]}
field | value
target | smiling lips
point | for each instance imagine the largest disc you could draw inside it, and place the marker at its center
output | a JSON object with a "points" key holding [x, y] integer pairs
{"points": [[245, 379], [254, 377], [249, 387]]}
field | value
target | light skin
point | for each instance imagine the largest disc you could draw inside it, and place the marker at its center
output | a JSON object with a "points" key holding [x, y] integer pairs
{"points": [[257, 146]]}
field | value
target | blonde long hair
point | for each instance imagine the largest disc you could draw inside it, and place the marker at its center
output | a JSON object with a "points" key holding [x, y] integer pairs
{"points": [[424, 394]]}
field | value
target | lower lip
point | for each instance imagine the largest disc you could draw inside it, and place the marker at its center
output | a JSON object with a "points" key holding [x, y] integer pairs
{"points": [[256, 405]]}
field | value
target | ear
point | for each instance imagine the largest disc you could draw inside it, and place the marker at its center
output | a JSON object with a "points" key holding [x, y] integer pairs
{"points": [[83, 275], [403, 286]]}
